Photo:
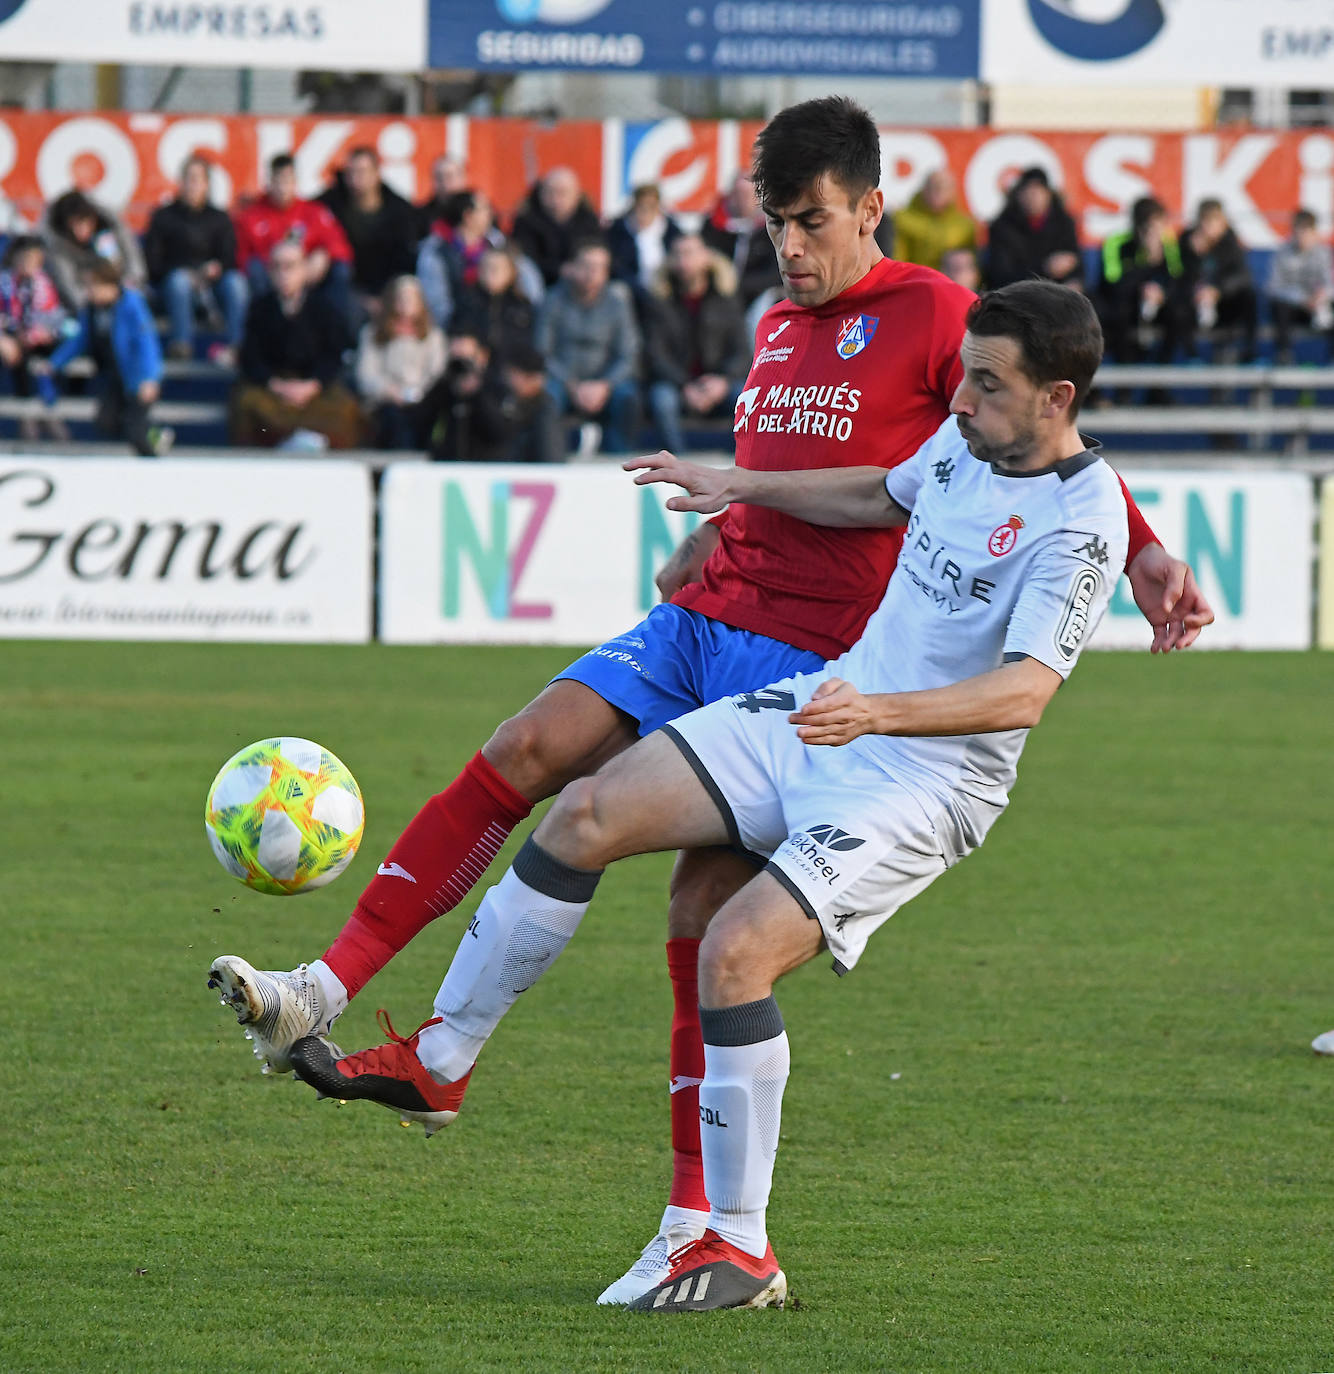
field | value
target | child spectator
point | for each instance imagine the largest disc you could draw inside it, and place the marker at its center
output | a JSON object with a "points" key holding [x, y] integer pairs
{"points": [[277, 215], [496, 308], [1301, 284], [31, 322], [291, 358], [399, 359], [694, 339], [448, 258], [1143, 287], [117, 332], [932, 223], [190, 248], [1218, 278], [76, 233]]}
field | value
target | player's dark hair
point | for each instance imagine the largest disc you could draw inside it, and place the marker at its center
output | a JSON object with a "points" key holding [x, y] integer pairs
{"points": [[832, 136], [1057, 330]]}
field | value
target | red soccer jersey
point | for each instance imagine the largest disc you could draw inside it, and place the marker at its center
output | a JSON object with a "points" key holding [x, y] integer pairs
{"points": [[861, 381], [261, 226]]}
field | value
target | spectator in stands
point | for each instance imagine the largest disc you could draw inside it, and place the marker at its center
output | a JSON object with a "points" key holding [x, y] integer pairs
{"points": [[400, 358], [381, 227], [448, 258], [117, 332], [1301, 285], [735, 228], [640, 241], [495, 307], [76, 233], [279, 215], [289, 392], [695, 339], [553, 220], [1033, 236], [932, 223], [486, 414], [586, 330], [190, 249], [1143, 287], [1218, 278], [448, 176], [32, 320], [960, 265]]}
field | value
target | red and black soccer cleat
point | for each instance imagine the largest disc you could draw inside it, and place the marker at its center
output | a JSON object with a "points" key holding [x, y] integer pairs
{"points": [[710, 1273], [389, 1074]]}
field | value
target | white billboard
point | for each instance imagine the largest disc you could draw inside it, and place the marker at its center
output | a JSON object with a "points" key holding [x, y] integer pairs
{"points": [[326, 35], [492, 553], [1250, 538], [214, 549], [1158, 42], [501, 554]]}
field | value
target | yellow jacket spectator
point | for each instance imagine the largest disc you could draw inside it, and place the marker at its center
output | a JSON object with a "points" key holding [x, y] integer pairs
{"points": [[931, 224]]}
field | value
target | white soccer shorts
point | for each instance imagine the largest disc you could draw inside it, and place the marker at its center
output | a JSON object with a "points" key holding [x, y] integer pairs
{"points": [[846, 839]]}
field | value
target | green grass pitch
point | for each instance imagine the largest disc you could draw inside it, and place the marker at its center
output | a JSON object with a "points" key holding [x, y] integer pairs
{"points": [[1063, 1117]]}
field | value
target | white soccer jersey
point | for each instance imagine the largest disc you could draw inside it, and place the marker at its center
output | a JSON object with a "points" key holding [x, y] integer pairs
{"points": [[994, 565]]}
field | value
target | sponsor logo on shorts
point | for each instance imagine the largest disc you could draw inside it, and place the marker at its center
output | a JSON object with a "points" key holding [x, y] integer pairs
{"points": [[620, 656], [833, 838], [1078, 608], [1003, 537]]}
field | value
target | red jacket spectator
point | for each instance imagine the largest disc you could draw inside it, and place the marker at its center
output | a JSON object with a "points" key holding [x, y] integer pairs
{"points": [[276, 215]]}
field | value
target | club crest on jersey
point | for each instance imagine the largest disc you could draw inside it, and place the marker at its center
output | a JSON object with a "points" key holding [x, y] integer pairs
{"points": [[854, 334], [1003, 537]]}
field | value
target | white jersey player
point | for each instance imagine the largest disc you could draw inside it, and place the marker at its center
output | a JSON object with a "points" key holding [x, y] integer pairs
{"points": [[1016, 530]]}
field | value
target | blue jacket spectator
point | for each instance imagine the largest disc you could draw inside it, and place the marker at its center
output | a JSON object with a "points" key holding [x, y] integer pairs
{"points": [[116, 330]]}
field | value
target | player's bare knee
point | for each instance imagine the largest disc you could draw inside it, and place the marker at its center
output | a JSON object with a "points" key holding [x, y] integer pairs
{"points": [[695, 894], [520, 752], [727, 972], [576, 828]]}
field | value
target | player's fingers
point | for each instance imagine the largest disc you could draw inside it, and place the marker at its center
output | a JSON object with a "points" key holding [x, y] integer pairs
{"points": [[1174, 587], [828, 687]]}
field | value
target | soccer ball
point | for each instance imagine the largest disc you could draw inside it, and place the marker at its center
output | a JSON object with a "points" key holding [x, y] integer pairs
{"points": [[284, 816]]}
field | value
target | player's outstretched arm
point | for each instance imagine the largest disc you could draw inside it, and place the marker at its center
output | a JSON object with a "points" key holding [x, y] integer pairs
{"points": [[1011, 697], [853, 498], [1167, 594]]}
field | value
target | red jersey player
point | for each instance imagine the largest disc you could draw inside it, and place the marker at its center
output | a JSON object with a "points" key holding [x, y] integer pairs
{"points": [[856, 368]]}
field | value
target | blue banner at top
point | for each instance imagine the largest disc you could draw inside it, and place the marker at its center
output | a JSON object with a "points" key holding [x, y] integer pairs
{"points": [[728, 38]]}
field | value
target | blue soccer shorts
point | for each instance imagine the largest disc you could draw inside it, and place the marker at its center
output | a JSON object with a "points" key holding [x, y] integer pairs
{"points": [[676, 660]]}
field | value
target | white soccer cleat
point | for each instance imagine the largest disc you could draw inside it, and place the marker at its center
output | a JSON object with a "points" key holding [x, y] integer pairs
{"points": [[277, 1009], [652, 1266], [1324, 1044]]}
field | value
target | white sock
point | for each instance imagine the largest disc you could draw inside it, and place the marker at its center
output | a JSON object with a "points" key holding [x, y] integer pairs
{"points": [[740, 1107], [521, 926], [333, 993], [682, 1216]]}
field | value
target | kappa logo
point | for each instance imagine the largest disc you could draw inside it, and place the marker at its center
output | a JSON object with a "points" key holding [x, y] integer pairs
{"points": [[831, 837], [1098, 30], [778, 331], [854, 334], [1003, 537], [1096, 549], [745, 408]]}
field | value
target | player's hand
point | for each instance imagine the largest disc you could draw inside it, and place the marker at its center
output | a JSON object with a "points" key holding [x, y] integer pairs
{"points": [[1169, 598], [687, 561], [836, 714], [706, 487]]}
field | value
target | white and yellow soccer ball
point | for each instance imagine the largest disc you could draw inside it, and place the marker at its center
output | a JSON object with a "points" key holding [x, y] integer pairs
{"points": [[284, 816]]}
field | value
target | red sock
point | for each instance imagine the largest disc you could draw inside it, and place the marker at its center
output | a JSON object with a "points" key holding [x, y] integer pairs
{"points": [[687, 1066], [437, 860]]}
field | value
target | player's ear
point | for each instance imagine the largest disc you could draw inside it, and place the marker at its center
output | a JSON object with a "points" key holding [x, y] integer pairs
{"points": [[873, 209], [1060, 397]]}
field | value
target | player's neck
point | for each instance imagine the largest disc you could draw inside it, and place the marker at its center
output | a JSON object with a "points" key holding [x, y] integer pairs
{"points": [[865, 263], [1067, 443]]}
